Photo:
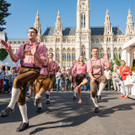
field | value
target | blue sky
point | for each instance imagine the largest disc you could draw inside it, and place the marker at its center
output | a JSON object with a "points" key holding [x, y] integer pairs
{"points": [[23, 13]]}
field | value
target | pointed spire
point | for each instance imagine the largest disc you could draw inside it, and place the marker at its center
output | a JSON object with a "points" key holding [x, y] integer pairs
{"points": [[107, 24], [130, 24], [58, 24], [37, 25], [107, 17]]}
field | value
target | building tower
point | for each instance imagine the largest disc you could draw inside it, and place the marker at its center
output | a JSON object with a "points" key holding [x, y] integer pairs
{"points": [[108, 35], [37, 25], [130, 31], [58, 39], [83, 34]]}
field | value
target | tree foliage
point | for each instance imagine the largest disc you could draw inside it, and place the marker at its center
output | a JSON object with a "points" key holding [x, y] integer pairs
{"points": [[3, 54], [3, 13]]}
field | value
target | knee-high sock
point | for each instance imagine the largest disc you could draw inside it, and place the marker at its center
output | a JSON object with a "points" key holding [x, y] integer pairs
{"points": [[95, 101], [23, 110], [101, 87], [14, 96], [37, 96], [74, 94], [48, 95]]}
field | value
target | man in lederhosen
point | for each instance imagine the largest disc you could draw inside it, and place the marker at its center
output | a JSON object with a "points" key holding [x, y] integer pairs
{"points": [[32, 55], [42, 84], [52, 73], [73, 79], [95, 69]]}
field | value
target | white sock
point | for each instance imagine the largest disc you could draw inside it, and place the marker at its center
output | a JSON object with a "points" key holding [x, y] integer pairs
{"points": [[37, 96], [23, 110], [47, 92], [74, 94], [95, 101], [40, 105], [14, 97], [101, 87]]}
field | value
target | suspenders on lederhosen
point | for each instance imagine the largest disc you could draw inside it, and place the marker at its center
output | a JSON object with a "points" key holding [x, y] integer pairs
{"points": [[96, 67], [27, 53]]}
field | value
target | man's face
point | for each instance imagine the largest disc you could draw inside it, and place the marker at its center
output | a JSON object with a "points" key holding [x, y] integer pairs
{"points": [[50, 55], [94, 52], [32, 34]]}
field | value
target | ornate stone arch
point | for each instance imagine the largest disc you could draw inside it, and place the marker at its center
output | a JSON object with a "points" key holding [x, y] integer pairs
{"points": [[109, 53], [102, 52], [73, 54], [115, 53], [120, 52], [64, 54], [83, 51], [50, 50], [57, 54]]}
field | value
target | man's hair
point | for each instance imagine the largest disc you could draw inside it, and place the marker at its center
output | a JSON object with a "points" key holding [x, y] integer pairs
{"points": [[34, 29], [51, 53], [95, 48]]}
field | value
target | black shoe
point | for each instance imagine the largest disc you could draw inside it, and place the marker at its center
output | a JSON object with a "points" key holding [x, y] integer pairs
{"points": [[22, 127], [74, 98], [36, 102], [96, 110], [99, 98], [6, 112], [39, 110], [48, 102]]}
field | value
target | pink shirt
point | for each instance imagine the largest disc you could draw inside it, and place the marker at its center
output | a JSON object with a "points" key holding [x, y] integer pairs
{"points": [[70, 72], [96, 62], [28, 60], [52, 63], [79, 68], [44, 70]]}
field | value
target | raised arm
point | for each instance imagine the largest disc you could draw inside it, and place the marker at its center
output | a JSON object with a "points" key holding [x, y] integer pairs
{"points": [[7, 47]]}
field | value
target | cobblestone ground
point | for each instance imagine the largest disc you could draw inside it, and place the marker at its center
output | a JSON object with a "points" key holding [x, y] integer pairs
{"points": [[66, 117]]}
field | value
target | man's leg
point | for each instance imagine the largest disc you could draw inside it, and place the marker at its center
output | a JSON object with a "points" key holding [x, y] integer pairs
{"points": [[93, 93]]}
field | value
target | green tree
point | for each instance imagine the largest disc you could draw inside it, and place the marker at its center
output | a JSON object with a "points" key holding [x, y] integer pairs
{"points": [[117, 61], [3, 13]]}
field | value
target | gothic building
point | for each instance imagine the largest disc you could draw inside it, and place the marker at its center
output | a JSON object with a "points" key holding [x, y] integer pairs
{"points": [[69, 43]]}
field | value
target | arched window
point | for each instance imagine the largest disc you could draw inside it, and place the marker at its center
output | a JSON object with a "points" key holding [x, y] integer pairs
{"points": [[83, 53], [68, 57], [102, 52], [109, 53], [120, 52], [115, 53], [83, 20], [50, 50], [64, 56]]}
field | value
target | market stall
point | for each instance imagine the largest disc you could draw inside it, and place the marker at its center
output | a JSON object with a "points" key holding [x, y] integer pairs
{"points": [[128, 54]]}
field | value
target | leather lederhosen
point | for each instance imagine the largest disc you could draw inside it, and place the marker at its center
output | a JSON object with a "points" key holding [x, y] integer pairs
{"points": [[25, 75], [99, 78]]}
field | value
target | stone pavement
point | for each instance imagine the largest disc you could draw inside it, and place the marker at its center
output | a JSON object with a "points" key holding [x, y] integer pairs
{"points": [[66, 117]]}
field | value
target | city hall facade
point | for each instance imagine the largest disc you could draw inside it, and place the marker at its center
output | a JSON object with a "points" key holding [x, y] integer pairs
{"points": [[68, 44]]}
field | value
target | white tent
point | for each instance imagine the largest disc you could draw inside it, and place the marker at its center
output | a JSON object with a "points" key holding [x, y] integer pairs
{"points": [[8, 62], [128, 52]]}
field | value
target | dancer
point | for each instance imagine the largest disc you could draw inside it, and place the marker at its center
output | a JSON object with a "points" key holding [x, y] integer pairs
{"points": [[81, 69], [73, 78], [42, 85], [52, 72], [32, 55], [95, 69]]}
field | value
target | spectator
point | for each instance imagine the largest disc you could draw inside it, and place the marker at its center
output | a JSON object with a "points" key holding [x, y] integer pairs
{"points": [[124, 72], [115, 78], [1, 78], [58, 79], [107, 74]]}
